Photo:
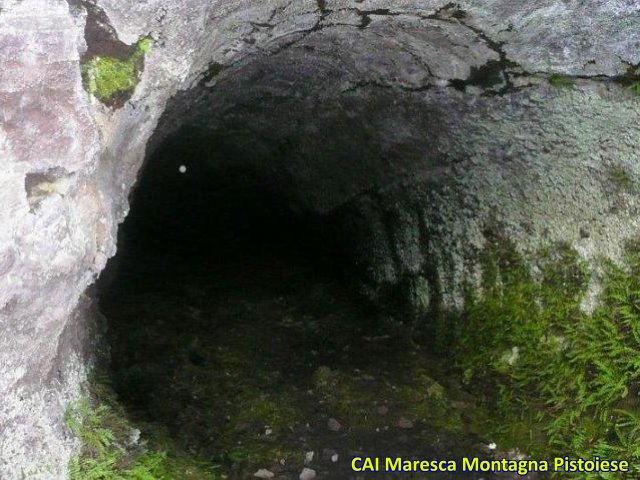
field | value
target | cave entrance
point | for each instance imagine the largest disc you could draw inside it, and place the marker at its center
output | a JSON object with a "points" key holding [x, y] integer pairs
{"points": [[235, 330]]}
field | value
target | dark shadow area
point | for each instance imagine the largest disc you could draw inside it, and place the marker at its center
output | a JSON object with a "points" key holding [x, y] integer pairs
{"points": [[234, 329], [200, 203]]}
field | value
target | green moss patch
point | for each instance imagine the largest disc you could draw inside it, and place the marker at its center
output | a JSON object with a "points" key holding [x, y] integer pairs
{"points": [[620, 178], [561, 81], [416, 397], [107, 78], [635, 87]]}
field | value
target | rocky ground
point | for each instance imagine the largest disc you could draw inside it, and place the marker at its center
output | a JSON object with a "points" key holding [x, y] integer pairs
{"points": [[270, 368]]}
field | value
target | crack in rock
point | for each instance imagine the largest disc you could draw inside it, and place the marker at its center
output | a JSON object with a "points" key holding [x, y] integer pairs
{"points": [[494, 77]]}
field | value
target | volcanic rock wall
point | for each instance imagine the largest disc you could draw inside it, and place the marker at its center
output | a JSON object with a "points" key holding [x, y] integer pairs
{"points": [[419, 126]]}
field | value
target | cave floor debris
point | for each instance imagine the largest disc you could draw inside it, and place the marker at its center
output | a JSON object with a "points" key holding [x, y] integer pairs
{"points": [[270, 368]]}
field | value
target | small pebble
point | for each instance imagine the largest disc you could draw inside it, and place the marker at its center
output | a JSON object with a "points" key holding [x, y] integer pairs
{"points": [[264, 473], [404, 423], [182, 169], [328, 453], [307, 474], [308, 458], [334, 458], [333, 425], [134, 436]]}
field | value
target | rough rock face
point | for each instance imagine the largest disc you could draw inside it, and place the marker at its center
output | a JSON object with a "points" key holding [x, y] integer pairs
{"points": [[417, 125]]}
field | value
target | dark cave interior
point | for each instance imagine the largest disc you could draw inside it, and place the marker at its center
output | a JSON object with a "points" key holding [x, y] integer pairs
{"points": [[234, 325], [204, 206]]}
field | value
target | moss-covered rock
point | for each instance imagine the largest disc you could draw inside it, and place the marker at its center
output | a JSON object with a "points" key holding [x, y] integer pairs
{"points": [[107, 77]]}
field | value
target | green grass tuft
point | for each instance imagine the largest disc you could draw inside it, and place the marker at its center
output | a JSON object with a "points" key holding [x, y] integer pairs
{"points": [[110, 451]]}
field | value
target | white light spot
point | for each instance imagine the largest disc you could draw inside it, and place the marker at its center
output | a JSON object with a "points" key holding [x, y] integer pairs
{"points": [[182, 168], [492, 446]]}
